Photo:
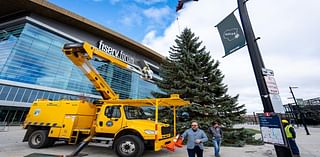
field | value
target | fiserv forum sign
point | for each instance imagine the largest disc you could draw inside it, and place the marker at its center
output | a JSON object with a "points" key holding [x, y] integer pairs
{"points": [[115, 52]]}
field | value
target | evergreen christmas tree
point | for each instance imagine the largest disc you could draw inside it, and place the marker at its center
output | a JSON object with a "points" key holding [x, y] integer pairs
{"points": [[191, 72]]}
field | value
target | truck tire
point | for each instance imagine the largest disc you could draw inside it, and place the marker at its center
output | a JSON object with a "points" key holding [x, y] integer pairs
{"points": [[129, 146], [39, 139]]}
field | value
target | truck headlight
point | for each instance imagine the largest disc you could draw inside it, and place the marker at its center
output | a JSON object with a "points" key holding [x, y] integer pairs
{"points": [[150, 132]]}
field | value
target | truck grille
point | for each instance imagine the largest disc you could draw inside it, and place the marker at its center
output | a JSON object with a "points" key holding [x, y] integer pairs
{"points": [[165, 130]]}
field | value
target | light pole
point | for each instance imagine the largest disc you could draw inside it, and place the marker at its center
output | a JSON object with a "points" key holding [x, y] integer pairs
{"points": [[299, 110], [293, 114], [258, 65]]}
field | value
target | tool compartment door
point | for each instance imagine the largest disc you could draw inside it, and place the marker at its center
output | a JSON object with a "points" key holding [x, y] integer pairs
{"points": [[67, 126], [110, 119]]}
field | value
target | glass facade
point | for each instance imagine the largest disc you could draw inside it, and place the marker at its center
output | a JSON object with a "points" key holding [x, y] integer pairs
{"points": [[27, 95], [34, 56], [31, 54], [12, 115]]}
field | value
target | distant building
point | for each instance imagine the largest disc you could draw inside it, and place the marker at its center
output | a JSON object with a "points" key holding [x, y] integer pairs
{"points": [[310, 108]]}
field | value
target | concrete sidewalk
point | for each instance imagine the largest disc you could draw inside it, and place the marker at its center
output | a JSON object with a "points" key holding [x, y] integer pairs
{"points": [[309, 145], [11, 146]]}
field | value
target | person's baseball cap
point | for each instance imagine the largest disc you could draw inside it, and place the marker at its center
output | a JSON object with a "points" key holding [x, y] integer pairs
{"points": [[284, 121]]}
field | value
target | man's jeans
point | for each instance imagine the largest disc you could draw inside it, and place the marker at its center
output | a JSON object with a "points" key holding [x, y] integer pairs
{"points": [[216, 144], [194, 151]]}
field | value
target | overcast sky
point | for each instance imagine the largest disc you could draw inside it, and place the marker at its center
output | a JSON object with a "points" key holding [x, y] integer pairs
{"points": [[289, 32], [289, 44]]}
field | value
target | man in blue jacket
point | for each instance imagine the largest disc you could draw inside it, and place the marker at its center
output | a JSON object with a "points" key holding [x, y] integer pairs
{"points": [[196, 137]]}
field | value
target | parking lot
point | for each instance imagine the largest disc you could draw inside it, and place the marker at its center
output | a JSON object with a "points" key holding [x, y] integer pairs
{"points": [[11, 146]]}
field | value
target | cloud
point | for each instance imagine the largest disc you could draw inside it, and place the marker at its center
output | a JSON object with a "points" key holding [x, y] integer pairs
{"points": [[149, 2], [145, 18], [158, 15], [131, 20], [289, 45], [132, 16], [150, 38]]}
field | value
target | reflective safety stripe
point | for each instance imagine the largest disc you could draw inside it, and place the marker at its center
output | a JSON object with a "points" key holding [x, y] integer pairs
{"points": [[42, 124], [287, 130]]}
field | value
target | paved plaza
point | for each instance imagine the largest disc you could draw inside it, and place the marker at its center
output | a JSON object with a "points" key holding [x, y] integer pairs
{"points": [[11, 146]]}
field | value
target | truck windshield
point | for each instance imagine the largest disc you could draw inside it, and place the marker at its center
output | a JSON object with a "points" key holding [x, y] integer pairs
{"points": [[148, 113], [134, 112]]}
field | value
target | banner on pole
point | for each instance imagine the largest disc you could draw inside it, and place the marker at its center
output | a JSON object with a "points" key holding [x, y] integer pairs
{"points": [[180, 4], [231, 34]]}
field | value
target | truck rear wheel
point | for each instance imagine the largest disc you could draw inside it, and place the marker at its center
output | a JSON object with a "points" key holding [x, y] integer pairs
{"points": [[129, 146], [39, 139]]}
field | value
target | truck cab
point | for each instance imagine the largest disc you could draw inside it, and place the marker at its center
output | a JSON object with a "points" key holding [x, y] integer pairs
{"points": [[135, 124]]}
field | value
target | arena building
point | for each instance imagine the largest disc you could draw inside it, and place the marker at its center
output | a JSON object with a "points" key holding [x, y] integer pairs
{"points": [[32, 65]]}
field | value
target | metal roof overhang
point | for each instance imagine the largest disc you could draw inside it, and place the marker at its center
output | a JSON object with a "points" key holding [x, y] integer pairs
{"points": [[49, 10], [173, 101]]}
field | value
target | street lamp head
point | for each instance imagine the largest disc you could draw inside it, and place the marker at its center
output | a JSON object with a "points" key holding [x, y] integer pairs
{"points": [[293, 87]]}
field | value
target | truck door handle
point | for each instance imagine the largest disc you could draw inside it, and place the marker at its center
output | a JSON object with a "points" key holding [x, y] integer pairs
{"points": [[100, 123], [116, 119]]}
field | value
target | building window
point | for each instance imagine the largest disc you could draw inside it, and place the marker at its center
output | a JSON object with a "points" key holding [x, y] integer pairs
{"points": [[4, 92], [12, 93], [26, 95], [19, 95], [33, 96]]}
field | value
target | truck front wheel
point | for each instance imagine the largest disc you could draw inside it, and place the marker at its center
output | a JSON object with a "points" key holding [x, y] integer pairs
{"points": [[39, 139], [129, 146]]}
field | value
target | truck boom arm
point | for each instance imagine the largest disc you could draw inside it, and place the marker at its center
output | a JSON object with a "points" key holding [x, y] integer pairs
{"points": [[81, 53]]}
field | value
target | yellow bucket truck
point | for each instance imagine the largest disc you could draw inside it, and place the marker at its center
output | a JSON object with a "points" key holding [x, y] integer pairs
{"points": [[120, 123]]}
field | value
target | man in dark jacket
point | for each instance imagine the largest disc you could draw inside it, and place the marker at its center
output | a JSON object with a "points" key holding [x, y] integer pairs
{"points": [[291, 135], [216, 132]]}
